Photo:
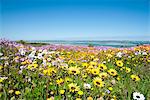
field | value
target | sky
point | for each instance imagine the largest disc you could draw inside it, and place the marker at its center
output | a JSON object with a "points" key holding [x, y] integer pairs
{"points": [[75, 19]]}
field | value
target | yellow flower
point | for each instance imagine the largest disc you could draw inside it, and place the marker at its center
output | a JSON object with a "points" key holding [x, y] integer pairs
{"points": [[73, 87], [51, 98], [84, 75], [95, 71], [64, 67], [92, 63], [118, 78], [73, 70], [23, 63], [112, 72], [135, 78], [127, 69], [60, 81], [89, 98], [49, 71], [1, 67], [84, 64], [119, 63], [80, 92], [45, 72], [98, 82], [35, 65], [29, 66], [103, 75], [1, 80], [17, 92], [68, 79], [71, 62], [102, 67], [78, 99], [32, 66], [110, 88], [62, 91]]}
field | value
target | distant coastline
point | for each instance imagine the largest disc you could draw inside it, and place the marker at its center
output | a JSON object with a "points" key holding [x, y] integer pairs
{"points": [[110, 43]]}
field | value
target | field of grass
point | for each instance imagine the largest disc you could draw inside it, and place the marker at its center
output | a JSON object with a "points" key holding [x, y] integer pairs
{"points": [[73, 73]]}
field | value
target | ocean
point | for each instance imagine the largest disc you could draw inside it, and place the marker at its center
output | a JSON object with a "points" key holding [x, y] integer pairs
{"points": [[110, 43]]}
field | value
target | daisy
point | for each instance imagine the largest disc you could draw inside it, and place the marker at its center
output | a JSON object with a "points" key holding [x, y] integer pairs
{"points": [[98, 82], [119, 54], [138, 96], [87, 86]]}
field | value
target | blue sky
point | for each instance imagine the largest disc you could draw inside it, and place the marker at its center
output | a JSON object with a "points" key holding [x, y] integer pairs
{"points": [[75, 19]]}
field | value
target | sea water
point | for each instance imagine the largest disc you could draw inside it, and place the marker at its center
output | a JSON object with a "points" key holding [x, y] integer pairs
{"points": [[93, 43]]}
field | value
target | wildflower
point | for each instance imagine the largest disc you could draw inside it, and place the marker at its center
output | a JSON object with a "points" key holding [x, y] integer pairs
{"points": [[138, 96], [107, 91], [80, 92], [74, 70], [73, 87], [84, 64], [1, 67], [119, 54], [45, 72], [118, 78], [84, 75], [1, 79], [87, 86], [127, 69], [95, 71], [68, 79], [51, 98], [98, 82], [119, 63], [62, 91], [113, 82], [110, 88], [92, 63], [78, 99], [1, 54], [71, 62], [103, 75], [89, 98], [135, 78], [112, 72], [40, 56], [100, 98], [102, 67], [60, 81], [17, 92], [10, 91]]}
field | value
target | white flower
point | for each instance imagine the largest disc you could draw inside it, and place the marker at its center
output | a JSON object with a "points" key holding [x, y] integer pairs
{"points": [[51, 52], [119, 54], [33, 48], [129, 56], [22, 52], [104, 62], [87, 86], [44, 62], [40, 50], [54, 63], [1, 54], [40, 56], [144, 53], [45, 51], [31, 55], [138, 96], [136, 53], [22, 67]]}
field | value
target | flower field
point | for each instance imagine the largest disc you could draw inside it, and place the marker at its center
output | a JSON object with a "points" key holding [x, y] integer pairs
{"points": [[55, 72]]}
